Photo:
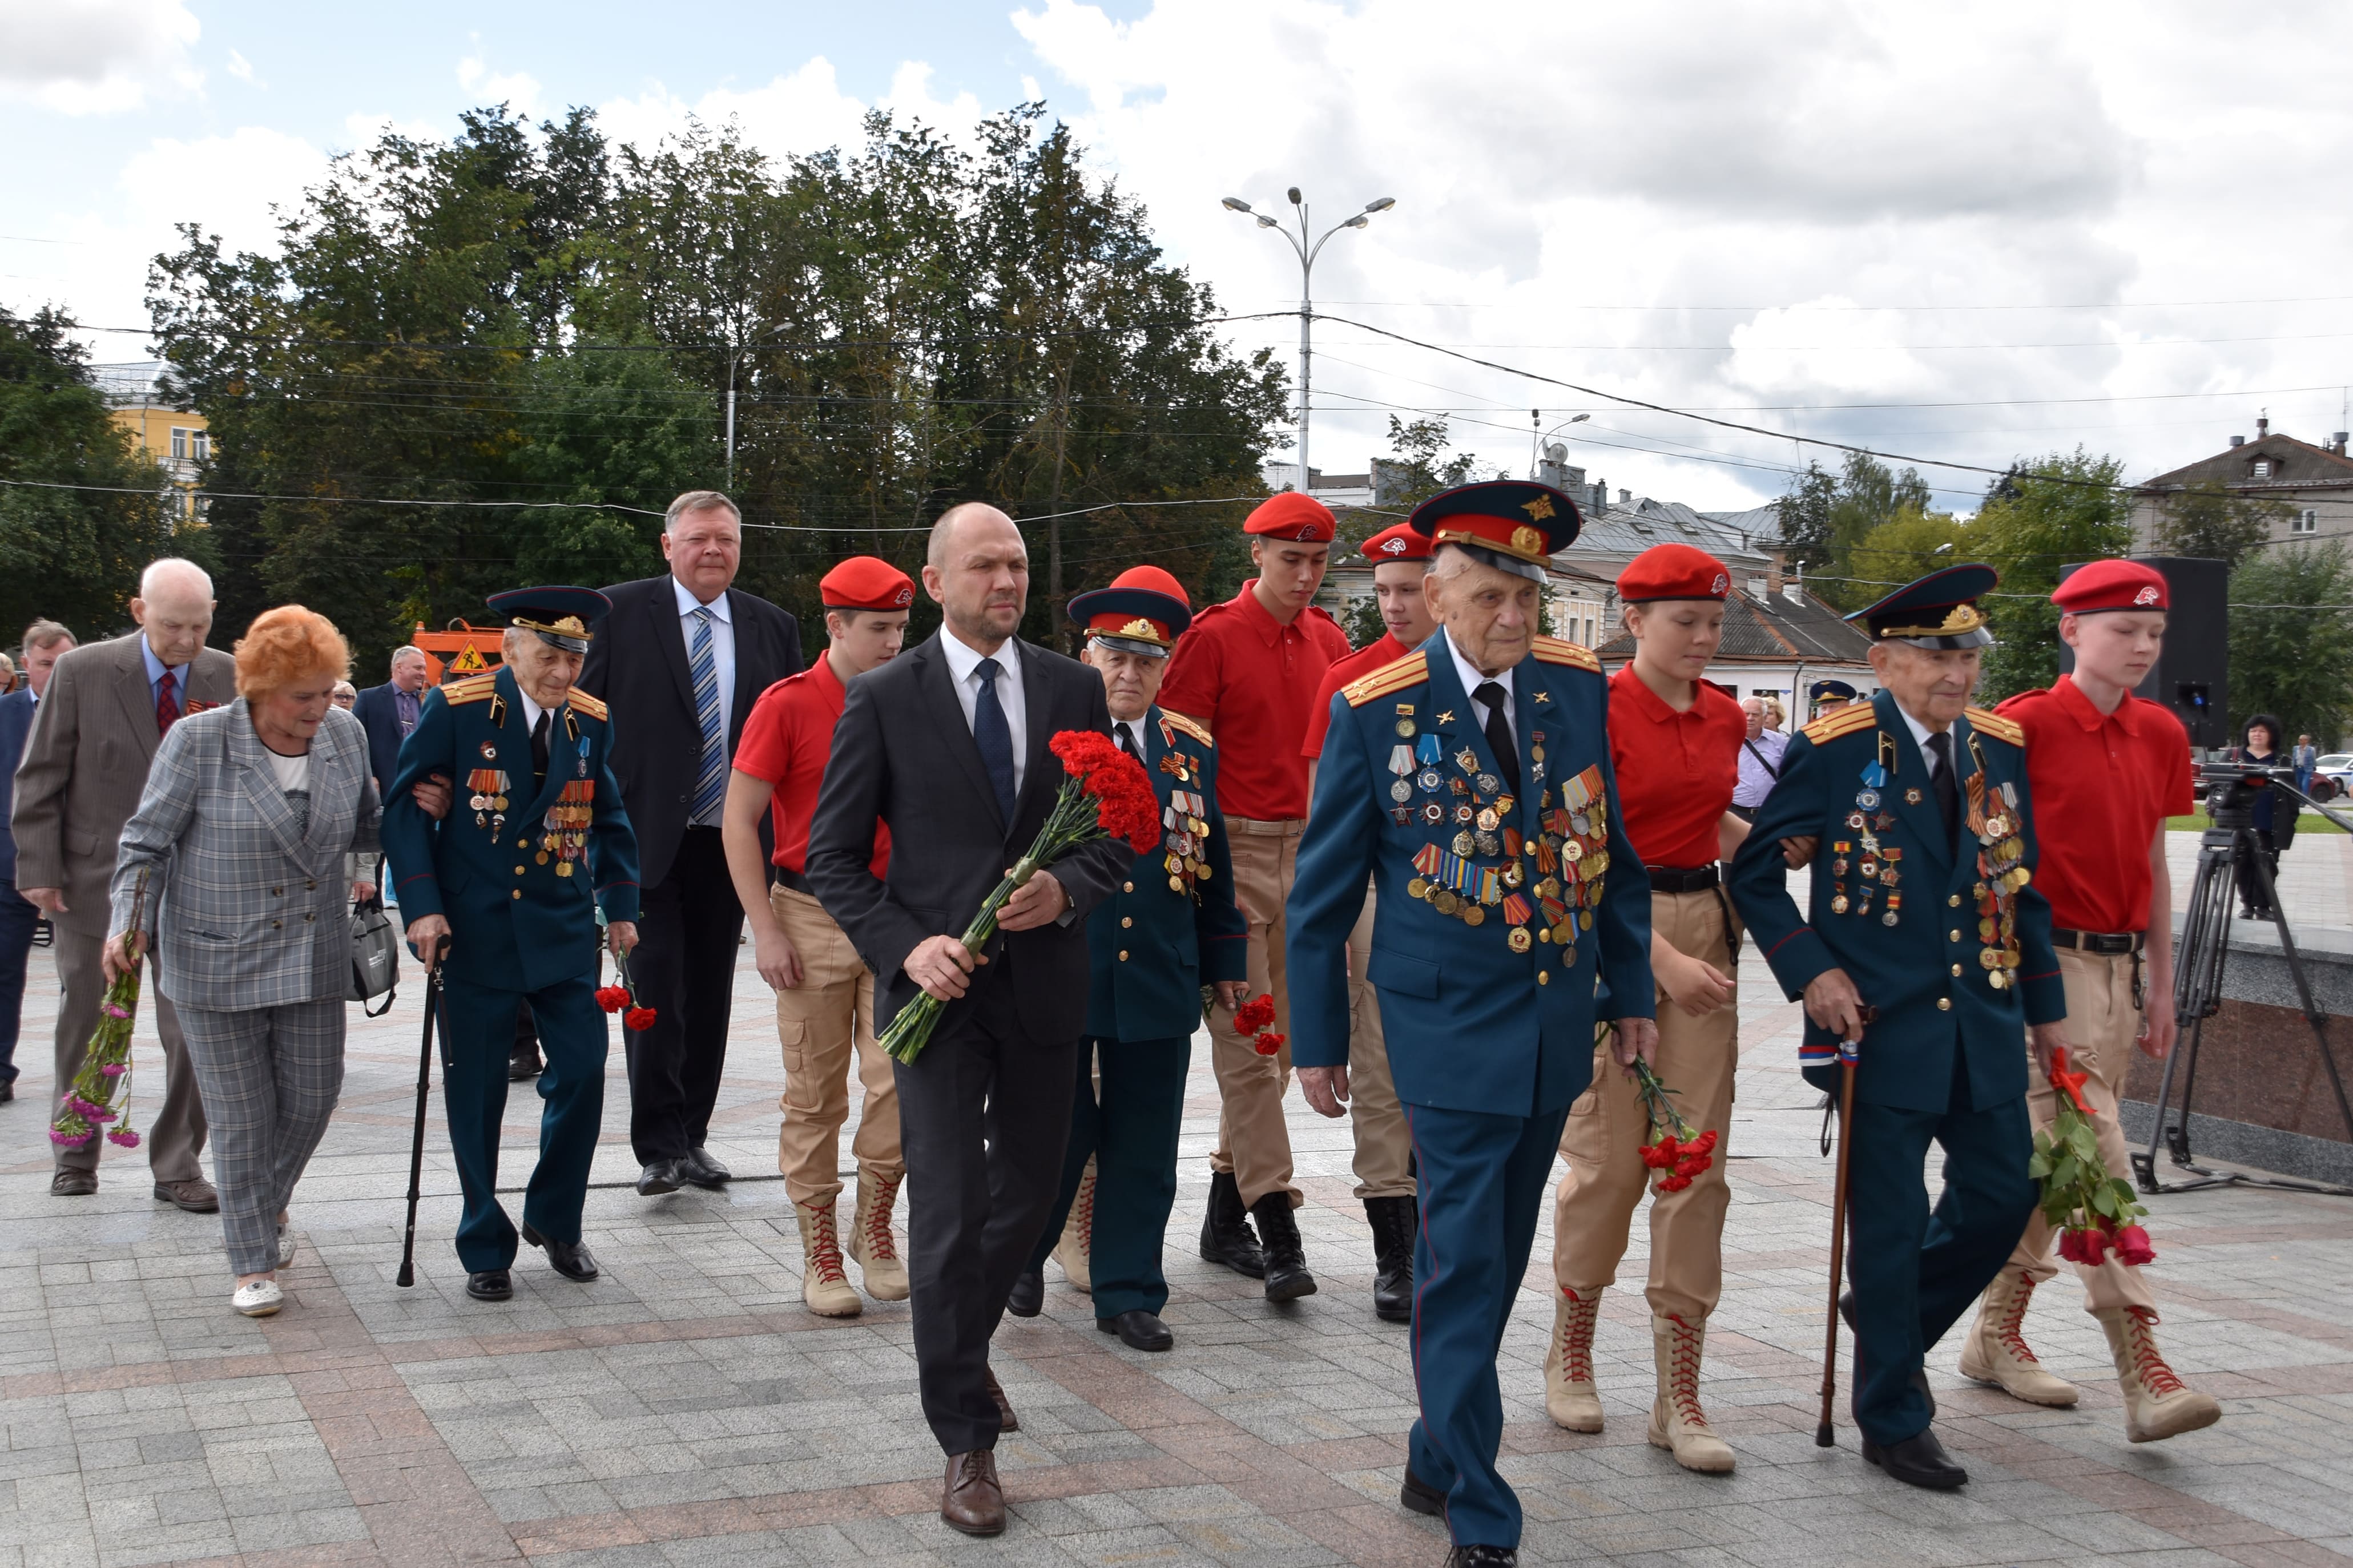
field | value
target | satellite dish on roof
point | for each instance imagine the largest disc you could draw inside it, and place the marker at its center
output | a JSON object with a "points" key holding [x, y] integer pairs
{"points": [[1555, 451]]}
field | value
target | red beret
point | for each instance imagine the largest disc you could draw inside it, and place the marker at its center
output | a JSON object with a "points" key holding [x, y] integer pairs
{"points": [[1673, 572], [1290, 516], [866, 582], [1398, 541], [2112, 585]]}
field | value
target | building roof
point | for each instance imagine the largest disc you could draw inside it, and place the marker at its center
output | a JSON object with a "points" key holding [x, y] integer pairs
{"points": [[1775, 629], [1622, 530], [2296, 466]]}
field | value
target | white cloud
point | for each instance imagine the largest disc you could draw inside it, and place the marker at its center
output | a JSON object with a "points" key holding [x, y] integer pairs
{"points": [[96, 57], [518, 91], [242, 69], [227, 184]]}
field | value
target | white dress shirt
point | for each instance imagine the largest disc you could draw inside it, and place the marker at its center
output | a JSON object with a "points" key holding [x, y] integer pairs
{"points": [[1472, 681], [1920, 733], [963, 659]]}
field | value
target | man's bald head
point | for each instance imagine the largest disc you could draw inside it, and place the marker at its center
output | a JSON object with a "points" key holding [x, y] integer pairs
{"points": [[174, 608], [977, 570]]}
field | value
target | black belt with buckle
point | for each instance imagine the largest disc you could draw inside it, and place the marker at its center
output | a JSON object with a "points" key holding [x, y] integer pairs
{"points": [[2102, 943], [1696, 879], [785, 877]]}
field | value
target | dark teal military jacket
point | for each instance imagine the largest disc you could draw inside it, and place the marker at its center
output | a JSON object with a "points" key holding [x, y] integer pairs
{"points": [[1504, 926], [1173, 925], [513, 868], [1949, 940]]}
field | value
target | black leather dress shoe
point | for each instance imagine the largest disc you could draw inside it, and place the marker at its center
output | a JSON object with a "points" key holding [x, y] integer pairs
{"points": [[569, 1258], [489, 1285], [1029, 1294], [1477, 1555], [1919, 1374], [1139, 1330], [7, 1092], [660, 1177], [703, 1171], [69, 1183], [1419, 1495], [1917, 1461], [522, 1064]]}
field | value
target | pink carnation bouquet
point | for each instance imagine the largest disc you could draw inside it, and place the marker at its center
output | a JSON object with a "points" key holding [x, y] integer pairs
{"points": [[98, 1100]]}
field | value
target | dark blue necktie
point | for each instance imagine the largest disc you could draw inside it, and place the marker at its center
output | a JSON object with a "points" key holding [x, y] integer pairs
{"points": [[994, 736]]}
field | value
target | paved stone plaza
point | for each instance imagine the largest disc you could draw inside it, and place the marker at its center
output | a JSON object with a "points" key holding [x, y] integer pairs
{"points": [[685, 1409]]}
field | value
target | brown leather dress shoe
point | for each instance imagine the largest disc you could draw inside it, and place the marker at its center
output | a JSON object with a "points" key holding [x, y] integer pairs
{"points": [[195, 1195], [972, 1502], [1005, 1420], [69, 1183]]}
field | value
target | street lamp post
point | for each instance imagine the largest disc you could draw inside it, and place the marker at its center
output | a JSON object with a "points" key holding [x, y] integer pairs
{"points": [[732, 361], [1535, 442], [1307, 251]]}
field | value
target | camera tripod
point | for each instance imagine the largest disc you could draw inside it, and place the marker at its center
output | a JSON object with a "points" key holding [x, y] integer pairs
{"points": [[2229, 846]]}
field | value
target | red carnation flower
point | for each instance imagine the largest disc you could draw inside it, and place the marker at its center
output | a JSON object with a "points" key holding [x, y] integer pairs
{"points": [[1662, 1154], [612, 998], [1674, 1183], [1692, 1165], [638, 1018], [1254, 1014], [1267, 1044], [1705, 1143]]}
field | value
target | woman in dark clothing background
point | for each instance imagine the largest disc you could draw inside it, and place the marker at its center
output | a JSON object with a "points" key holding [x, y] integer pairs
{"points": [[2274, 819]]}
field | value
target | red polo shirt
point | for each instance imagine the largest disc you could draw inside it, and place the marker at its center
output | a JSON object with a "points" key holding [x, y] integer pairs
{"points": [[1676, 772], [787, 738], [1364, 661], [1252, 680], [2102, 786]]}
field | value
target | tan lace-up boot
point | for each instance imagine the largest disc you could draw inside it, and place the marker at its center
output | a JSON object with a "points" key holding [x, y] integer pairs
{"points": [[2157, 1404], [826, 1289], [870, 1238], [1075, 1250], [1677, 1422], [1995, 1351], [1570, 1398]]}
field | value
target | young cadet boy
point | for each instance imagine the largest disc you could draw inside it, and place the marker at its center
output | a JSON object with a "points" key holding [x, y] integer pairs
{"points": [[825, 995], [1384, 1162], [2107, 768], [1249, 668]]}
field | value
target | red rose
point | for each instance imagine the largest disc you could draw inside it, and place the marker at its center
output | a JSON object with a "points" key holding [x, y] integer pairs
{"points": [[2132, 1248], [2095, 1246], [612, 998], [1254, 1014], [2070, 1245], [1267, 1044], [638, 1018]]}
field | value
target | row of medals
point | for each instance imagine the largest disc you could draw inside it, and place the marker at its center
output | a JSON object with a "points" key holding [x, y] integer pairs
{"points": [[1572, 843], [1187, 818], [1877, 867], [2000, 869], [564, 830]]}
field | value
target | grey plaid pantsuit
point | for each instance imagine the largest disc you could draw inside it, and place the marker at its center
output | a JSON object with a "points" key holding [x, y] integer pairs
{"points": [[251, 916]]}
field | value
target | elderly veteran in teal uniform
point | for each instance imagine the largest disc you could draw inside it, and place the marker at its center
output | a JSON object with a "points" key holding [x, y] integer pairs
{"points": [[1471, 781], [1172, 928], [1926, 953], [535, 840]]}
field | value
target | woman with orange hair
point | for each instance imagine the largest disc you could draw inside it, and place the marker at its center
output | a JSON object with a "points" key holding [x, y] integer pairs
{"points": [[248, 812]]}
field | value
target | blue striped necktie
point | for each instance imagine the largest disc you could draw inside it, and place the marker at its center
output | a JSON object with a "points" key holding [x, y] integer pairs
{"points": [[712, 783]]}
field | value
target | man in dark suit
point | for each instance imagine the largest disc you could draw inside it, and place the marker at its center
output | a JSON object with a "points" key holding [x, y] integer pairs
{"points": [[683, 658], [948, 746], [388, 713], [45, 641]]}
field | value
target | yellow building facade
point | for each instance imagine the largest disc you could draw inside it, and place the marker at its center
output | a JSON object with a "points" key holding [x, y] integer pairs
{"points": [[176, 439]]}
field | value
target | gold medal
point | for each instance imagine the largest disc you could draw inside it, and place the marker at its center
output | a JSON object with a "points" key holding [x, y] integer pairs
{"points": [[541, 859], [1473, 915], [564, 867], [1988, 959], [1446, 901], [497, 803], [1416, 888], [1997, 980], [1519, 941], [1176, 884]]}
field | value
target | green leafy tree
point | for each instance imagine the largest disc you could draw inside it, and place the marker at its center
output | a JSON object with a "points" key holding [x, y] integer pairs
{"points": [[2291, 639], [72, 554], [1908, 545], [2205, 520], [2058, 509], [1826, 521]]}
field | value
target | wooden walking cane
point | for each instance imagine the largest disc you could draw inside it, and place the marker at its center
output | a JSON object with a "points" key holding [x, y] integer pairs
{"points": [[407, 1275], [1823, 1438]]}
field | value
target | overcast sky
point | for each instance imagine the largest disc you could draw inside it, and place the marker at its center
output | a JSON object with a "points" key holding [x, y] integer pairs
{"points": [[1966, 232]]}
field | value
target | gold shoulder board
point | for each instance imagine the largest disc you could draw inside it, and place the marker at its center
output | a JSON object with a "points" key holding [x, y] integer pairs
{"points": [[1845, 721], [1552, 650], [1199, 732], [473, 689], [1986, 721], [584, 703], [1412, 671]]}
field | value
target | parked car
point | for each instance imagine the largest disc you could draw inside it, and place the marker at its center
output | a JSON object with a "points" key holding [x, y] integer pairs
{"points": [[2336, 766]]}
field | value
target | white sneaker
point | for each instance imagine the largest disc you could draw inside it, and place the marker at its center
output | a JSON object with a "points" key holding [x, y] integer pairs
{"points": [[259, 1300], [285, 1247]]}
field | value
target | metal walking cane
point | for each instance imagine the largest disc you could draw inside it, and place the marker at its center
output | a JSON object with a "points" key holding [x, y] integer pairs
{"points": [[407, 1275], [1823, 1438]]}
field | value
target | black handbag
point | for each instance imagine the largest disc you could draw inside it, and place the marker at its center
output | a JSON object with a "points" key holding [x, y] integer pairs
{"points": [[376, 956]]}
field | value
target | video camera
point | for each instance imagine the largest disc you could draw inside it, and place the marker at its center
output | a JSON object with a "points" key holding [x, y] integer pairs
{"points": [[2231, 790]]}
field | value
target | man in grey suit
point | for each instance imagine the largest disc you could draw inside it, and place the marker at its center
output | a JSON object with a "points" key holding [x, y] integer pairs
{"points": [[94, 734]]}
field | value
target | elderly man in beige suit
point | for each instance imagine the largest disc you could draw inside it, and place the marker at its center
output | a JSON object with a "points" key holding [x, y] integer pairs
{"points": [[96, 729]]}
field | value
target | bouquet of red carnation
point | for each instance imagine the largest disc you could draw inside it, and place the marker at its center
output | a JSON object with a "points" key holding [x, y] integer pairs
{"points": [[623, 998], [100, 1092], [1250, 1020], [1105, 794], [2093, 1211], [1679, 1150]]}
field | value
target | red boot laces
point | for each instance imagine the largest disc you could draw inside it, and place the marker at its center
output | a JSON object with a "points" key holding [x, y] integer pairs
{"points": [[1683, 1374], [825, 1245], [2148, 1364], [1082, 1212], [877, 1220], [1577, 1336], [2010, 1331]]}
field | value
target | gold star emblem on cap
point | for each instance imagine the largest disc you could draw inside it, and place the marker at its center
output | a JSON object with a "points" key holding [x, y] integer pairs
{"points": [[1539, 509]]}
